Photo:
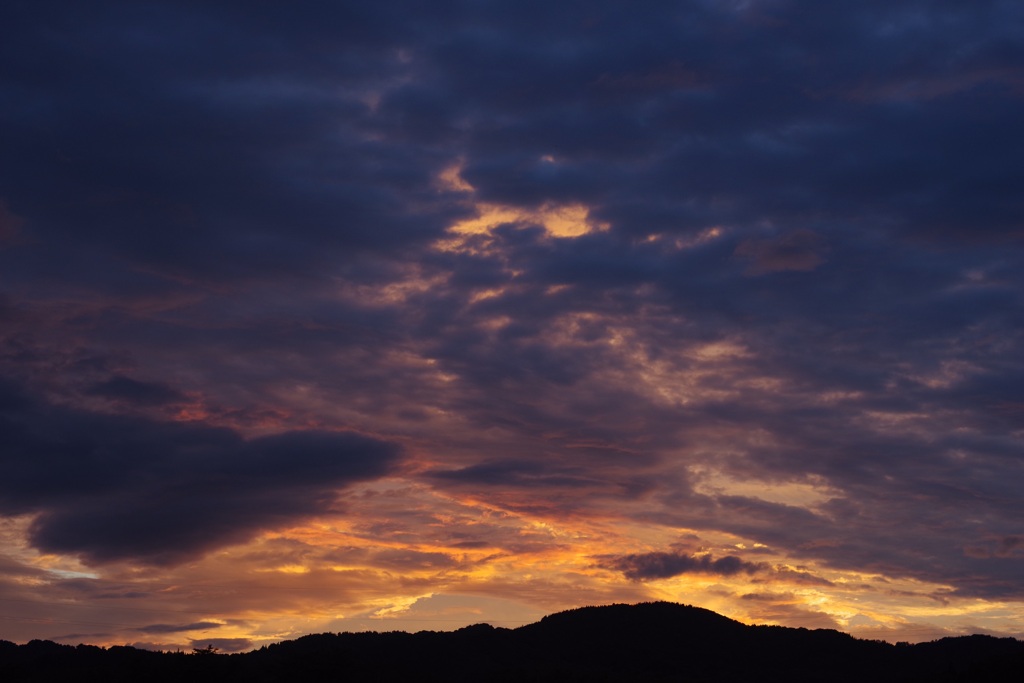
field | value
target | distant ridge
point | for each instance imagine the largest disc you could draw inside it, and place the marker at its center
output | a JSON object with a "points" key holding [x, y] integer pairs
{"points": [[646, 642]]}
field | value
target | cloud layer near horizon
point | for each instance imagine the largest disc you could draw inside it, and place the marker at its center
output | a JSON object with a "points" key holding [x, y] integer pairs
{"points": [[548, 302]]}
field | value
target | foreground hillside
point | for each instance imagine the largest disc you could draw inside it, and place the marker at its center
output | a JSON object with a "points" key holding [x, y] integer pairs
{"points": [[647, 642]]}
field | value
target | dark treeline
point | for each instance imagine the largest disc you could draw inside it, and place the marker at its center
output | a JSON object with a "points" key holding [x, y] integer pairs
{"points": [[649, 642]]}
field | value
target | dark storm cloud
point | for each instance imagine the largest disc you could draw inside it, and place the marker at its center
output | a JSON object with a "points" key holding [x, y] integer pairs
{"points": [[661, 565], [109, 487]]}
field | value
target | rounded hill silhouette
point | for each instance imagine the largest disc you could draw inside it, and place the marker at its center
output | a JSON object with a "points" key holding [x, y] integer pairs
{"points": [[645, 642]]}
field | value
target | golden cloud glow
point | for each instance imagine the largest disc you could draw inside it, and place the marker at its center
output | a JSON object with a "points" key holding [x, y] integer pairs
{"points": [[559, 220], [451, 179], [441, 554], [807, 494]]}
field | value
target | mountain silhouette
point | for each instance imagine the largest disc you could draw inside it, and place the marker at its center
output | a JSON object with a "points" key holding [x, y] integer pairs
{"points": [[645, 642]]}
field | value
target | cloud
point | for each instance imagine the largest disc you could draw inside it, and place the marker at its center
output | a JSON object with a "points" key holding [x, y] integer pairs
{"points": [[662, 565], [1004, 547], [10, 225], [178, 628], [797, 251], [109, 487], [516, 473], [133, 391]]}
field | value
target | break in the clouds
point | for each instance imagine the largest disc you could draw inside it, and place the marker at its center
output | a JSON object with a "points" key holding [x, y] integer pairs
{"points": [[360, 308]]}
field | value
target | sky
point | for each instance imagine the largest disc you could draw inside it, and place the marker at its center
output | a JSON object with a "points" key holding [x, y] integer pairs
{"points": [[343, 316]]}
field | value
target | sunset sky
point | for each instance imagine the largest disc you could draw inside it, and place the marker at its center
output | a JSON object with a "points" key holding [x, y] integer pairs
{"points": [[341, 316]]}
